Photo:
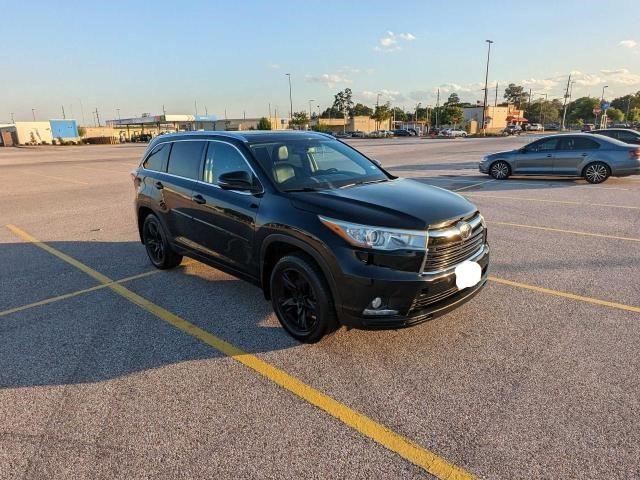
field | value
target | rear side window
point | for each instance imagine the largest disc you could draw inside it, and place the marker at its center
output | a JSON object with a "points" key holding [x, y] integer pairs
{"points": [[157, 159], [578, 143], [628, 137], [185, 157], [222, 158], [543, 145]]}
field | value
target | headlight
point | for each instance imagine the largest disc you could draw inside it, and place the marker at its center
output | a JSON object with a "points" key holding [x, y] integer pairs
{"points": [[379, 238]]}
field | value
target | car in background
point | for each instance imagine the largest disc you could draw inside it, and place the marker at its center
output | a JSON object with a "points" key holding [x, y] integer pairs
{"points": [[358, 134], [512, 130], [379, 134], [413, 131], [535, 127], [593, 157], [552, 126], [341, 134], [625, 135], [329, 236], [453, 133], [621, 125], [587, 127], [401, 132]]}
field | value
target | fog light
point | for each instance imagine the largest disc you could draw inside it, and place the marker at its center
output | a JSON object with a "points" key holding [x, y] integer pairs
{"points": [[376, 302]]}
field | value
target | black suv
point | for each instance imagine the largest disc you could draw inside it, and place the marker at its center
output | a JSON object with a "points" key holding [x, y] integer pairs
{"points": [[329, 235]]}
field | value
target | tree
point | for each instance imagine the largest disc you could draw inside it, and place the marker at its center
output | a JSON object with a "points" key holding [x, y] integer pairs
{"points": [[544, 111], [361, 110], [582, 109], [515, 94], [382, 113], [332, 112], [342, 100], [399, 114], [300, 119], [614, 114], [264, 124], [453, 99], [627, 102], [451, 115]]}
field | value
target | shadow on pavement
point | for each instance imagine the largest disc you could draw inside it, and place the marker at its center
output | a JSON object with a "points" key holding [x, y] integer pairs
{"points": [[100, 335]]}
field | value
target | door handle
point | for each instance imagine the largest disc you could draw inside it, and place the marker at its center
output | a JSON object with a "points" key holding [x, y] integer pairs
{"points": [[199, 199], [584, 154], [549, 155], [159, 185]]}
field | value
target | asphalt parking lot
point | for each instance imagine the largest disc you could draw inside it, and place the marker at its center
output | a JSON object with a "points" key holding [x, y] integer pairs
{"points": [[111, 369]]}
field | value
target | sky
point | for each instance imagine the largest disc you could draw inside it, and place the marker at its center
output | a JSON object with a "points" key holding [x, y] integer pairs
{"points": [[233, 56]]}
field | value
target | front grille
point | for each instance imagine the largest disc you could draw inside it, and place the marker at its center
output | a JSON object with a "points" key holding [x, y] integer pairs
{"points": [[425, 299], [446, 248]]}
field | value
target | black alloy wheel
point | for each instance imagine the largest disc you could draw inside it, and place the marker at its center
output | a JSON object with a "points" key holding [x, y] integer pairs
{"points": [[301, 299], [158, 248]]}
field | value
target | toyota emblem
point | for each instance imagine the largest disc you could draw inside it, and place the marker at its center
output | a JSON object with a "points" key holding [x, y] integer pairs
{"points": [[465, 230]]}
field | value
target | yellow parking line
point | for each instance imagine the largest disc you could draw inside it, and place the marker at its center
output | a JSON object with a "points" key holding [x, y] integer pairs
{"points": [[404, 447], [471, 186], [572, 296], [57, 298], [567, 202], [560, 230]]}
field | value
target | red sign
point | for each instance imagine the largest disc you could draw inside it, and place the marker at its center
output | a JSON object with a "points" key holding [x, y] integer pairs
{"points": [[597, 110]]}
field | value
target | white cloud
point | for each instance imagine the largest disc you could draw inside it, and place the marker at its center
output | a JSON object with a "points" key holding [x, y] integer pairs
{"points": [[628, 44], [540, 83], [328, 79], [386, 96], [390, 43], [274, 66]]}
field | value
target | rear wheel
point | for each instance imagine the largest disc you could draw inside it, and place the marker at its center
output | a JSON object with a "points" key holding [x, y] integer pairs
{"points": [[596, 172], [158, 248], [302, 299], [500, 170]]}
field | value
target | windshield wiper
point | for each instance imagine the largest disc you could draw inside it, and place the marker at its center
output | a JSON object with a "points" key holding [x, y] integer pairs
{"points": [[364, 182], [303, 189]]}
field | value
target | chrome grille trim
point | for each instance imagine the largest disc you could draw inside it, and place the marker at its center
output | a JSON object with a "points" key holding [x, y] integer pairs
{"points": [[446, 248]]}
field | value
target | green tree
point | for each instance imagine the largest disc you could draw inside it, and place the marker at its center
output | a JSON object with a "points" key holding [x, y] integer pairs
{"points": [[342, 101], [615, 115], [543, 111], [582, 109], [627, 102], [451, 115], [381, 113], [515, 94], [264, 124], [454, 99], [332, 112], [361, 110], [300, 119], [399, 114]]}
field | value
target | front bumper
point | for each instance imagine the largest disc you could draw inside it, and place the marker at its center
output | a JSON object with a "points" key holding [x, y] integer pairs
{"points": [[483, 167], [418, 299]]}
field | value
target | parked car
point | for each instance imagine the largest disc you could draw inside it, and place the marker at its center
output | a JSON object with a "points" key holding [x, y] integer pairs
{"points": [[593, 157], [142, 137], [587, 127], [453, 132], [413, 131], [623, 134], [402, 132], [552, 126], [329, 235], [535, 127], [512, 130], [358, 134], [379, 134], [342, 134]]}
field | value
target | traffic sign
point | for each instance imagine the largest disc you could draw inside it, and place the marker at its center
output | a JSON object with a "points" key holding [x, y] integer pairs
{"points": [[596, 111], [605, 105]]}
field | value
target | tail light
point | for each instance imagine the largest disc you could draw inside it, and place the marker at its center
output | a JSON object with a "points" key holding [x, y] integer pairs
{"points": [[635, 153]]}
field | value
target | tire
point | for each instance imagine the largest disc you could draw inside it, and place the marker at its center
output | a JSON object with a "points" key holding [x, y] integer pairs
{"points": [[158, 248], [301, 298], [500, 170], [596, 172]]}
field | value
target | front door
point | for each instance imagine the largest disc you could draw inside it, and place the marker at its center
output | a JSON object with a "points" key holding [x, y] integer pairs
{"points": [[572, 153], [224, 220], [537, 157]]}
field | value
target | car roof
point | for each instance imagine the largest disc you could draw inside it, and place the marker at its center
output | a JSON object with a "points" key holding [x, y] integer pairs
{"points": [[617, 129], [591, 135], [251, 136]]}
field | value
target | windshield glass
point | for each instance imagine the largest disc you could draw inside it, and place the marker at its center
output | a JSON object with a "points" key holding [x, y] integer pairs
{"points": [[311, 163]]}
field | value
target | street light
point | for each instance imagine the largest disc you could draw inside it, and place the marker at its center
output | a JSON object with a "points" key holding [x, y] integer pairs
{"points": [[541, 115], [310, 108], [290, 98], [33, 113], [604, 113], [118, 110], [486, 81]]}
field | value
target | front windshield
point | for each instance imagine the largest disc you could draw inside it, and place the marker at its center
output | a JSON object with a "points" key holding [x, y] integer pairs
{"points": [[315, 164]]}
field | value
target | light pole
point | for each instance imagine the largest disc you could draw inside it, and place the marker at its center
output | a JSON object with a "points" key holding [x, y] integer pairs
{"points": [[541, 114], [486, 81], [604, 113], [12, 118], [118, 110], [290, 98], [310, 109], [33, 114]]}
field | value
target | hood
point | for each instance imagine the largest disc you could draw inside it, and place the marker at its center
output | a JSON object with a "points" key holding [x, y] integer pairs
{"points": [[504, 153], [399, 203]]}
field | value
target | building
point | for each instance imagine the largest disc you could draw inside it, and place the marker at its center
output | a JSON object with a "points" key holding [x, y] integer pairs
{"points": [[33, 133], [8, 136], [360, 123], [497, 118], [64, 129]]}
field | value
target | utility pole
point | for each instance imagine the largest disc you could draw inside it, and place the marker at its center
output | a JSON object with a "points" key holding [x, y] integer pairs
{"points": [[33, 114], [82, 111], [564, 106], [310, 109], [12, 121], [290, 98], [164, 112], [195, 106], [64, 117], [118, 111], [626, 115], [495, 103], [269, 110], [98, 116], [486, 81], [437, 108]]}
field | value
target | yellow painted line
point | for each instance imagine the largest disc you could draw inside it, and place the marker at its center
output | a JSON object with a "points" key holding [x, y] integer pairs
{"points": [[474, 185], [572, 296], [57, 298], [560, 230], [56, 178], [567, 202], [399, 444]]}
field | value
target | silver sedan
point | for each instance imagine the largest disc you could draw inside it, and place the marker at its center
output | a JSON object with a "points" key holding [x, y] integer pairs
{"points": [[593, 157]]}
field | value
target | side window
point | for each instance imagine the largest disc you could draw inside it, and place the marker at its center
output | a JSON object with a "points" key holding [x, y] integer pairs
{"points": [[580, 143], [184, 160], [157, 159], [543, 145], [628, 137], [222, 158]]}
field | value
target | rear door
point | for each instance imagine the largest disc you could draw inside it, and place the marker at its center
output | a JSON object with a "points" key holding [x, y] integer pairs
{"points": [[177, 186], [224, 220], [537, 157], [572, 153]]}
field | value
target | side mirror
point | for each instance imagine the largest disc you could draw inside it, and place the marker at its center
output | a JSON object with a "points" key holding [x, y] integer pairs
{"points": [[240, 180], [377, 162], [522, 150]]}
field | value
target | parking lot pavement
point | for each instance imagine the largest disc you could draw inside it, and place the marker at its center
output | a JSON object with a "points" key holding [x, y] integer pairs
{"points": [[534, 378]]}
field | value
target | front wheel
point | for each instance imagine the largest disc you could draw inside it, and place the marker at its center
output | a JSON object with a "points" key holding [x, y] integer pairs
{"points": [[500, 170], [301, 299], [596, 172]]}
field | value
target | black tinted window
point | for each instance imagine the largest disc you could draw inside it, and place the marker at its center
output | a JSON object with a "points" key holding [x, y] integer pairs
{"points": [[185, 159], [578, 143], [157, 160], [222, 158], [629, 137], [543, 145]]}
